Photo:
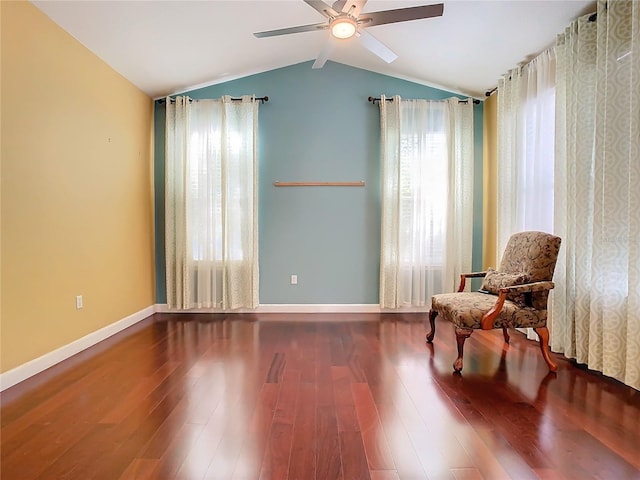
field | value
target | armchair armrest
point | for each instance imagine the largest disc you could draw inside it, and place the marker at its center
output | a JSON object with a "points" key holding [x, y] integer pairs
{"points": [[529, 287], [464, 276], [486, 323]]}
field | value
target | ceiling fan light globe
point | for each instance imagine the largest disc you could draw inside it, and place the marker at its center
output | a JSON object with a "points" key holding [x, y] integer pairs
{"points": [[343, 28]]}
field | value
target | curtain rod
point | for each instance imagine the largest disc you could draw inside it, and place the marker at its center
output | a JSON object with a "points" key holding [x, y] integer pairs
{"points": [[592, 18], [374, 100], [260, 99]]}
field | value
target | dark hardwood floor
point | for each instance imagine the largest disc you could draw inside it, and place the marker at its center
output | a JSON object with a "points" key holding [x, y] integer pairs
{"points": [[315, 397]]}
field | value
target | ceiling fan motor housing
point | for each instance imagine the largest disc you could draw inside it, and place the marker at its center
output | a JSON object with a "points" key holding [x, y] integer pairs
{"points": [[343, 27]]}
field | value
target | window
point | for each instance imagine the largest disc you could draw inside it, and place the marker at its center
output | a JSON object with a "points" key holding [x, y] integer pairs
{"points": [[423, 187], [206, 188]]}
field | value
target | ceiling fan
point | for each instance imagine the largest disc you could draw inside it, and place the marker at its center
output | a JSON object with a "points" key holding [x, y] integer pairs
{"points": [[346, 20]]}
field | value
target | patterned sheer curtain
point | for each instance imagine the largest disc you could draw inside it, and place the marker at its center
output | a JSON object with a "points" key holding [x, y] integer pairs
{"points": [[211, 203], [526, 124], [427, 198], [596, 314]]}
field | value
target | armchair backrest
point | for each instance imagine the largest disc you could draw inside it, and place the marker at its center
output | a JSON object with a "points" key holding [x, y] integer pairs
{"points": [[535, 254]]}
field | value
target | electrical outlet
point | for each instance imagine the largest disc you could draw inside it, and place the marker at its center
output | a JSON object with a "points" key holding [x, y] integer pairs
{"points": [[79, 304], [294, 279]]}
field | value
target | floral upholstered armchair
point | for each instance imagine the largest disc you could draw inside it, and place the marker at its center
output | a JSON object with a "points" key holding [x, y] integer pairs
{"points": [[513, 297]]}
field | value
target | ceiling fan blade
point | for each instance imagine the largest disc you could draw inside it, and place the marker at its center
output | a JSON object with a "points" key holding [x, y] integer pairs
{"points": [[352, 7], [375, 46], [401, 15], [286, 31], [339, 5], [322, 7], [323, 56]]}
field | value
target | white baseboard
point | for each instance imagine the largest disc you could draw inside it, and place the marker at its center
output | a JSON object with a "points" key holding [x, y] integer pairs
{"points": [[318, 308], [300, 308], [282, 308], [37, 365]]}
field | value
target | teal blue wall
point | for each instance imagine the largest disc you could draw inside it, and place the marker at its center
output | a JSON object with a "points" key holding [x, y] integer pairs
{"points": [[317, 126]]}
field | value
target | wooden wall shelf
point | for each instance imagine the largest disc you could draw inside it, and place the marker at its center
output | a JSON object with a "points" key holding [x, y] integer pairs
{"points": [[318, 184]]}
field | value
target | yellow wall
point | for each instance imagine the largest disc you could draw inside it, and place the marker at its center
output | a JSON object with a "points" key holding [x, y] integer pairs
{"points": [[490, 176], [76, 189]]}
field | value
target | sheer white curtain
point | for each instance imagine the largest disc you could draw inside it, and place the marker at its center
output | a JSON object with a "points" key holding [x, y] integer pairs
{"points": [[211, 203], [427, 198], [526, 125], [597, 297]]}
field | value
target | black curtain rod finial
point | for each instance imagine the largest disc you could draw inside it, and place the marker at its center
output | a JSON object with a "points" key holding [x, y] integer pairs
{"points": [[375, 100]]}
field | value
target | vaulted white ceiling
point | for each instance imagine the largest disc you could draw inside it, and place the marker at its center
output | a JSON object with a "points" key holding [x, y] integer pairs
{"points": [[166, 47]]}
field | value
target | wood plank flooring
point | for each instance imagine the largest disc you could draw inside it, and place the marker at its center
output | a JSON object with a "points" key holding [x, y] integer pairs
{"points": [[323, 396]]}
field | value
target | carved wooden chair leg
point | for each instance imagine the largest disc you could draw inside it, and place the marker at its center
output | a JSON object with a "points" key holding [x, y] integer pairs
{"points": [[432, 320], [461, 335], [543, 335], [505, 334]]}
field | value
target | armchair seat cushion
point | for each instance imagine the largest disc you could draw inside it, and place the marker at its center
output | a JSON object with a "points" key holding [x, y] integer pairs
{"points": [[465, 310]]}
